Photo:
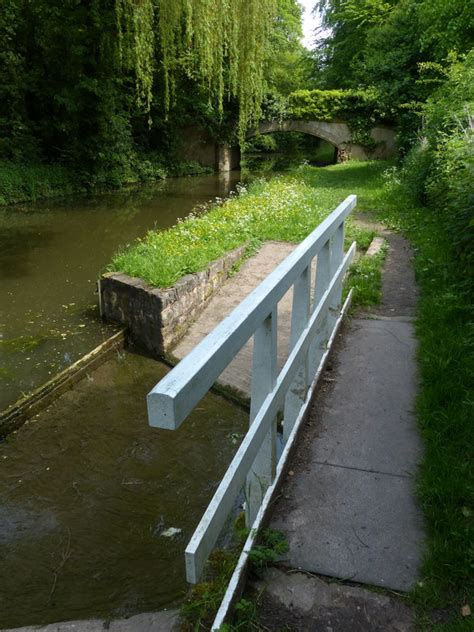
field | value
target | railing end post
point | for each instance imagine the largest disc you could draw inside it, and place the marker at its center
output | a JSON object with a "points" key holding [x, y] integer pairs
{"points": [[193, 573], [161, 411]]}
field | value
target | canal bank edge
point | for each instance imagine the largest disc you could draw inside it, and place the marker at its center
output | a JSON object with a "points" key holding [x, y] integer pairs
{"points": [[155, 318]]}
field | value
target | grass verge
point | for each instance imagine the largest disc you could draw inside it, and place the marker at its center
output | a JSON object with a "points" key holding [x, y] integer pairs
{"points": [[365, 279], [445, 413], [286, 208]]}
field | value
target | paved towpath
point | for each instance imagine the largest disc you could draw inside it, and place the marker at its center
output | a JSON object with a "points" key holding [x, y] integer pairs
{"points": [[348, 506]]}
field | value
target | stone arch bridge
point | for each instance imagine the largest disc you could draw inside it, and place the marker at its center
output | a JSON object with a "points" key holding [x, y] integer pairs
{"points": [[225, 157], [337, 134]]}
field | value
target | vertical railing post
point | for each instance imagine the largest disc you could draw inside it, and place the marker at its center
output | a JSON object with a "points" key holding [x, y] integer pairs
{"points": [[337, 255], [264, 370], [321, 282], [299, 319]]}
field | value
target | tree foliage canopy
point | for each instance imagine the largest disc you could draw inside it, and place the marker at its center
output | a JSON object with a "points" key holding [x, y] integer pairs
{"points": [[92, 83], [397, 47]]}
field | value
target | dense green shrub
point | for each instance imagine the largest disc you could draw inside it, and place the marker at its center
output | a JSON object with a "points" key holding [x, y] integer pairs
{"points": [[20, 183], [30, 182], [321, 105], [327, 105], [440, 169], [262, 142]]}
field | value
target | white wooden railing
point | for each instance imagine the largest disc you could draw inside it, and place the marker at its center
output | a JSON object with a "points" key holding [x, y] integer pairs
{"points": [[316, 308]]}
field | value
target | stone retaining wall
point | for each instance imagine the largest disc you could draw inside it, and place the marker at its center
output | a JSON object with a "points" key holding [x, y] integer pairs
{"points": [[156, 318]]}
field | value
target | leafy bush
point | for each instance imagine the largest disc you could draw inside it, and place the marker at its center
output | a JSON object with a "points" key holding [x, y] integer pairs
{"points": [[450, 186], [322, 105], [20, 183], [415, 171], [327, 105], [262, 142], [440, 169]]}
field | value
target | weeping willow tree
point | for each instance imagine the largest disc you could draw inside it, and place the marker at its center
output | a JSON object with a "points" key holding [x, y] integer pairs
{"points": [[112, 64], [136, 44], [221, 44]]}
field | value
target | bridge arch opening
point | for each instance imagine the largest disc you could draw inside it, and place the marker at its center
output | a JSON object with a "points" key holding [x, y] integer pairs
{"points": [[280, 149]]}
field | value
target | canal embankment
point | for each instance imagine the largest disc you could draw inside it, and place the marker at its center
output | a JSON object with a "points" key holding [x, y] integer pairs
{"points": [[156, 319], [18, 413]]}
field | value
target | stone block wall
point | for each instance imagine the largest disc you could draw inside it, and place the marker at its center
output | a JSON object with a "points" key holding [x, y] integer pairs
{"points": [[156, 319]]}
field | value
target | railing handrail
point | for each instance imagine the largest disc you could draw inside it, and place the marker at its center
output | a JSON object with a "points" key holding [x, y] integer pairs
{"points": [[313, 322], [174, 397], [199, 547]]}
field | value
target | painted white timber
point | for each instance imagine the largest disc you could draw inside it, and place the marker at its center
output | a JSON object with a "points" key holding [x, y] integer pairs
{"points": [[321, 281], [264, 372], [299, 319], [174, 397], [336, 255], [210, 526], [238, 575]]}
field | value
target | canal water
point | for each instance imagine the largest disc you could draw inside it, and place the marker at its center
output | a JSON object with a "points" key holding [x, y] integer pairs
{"points": [[96, 507], [88, 491], [51, 255]]}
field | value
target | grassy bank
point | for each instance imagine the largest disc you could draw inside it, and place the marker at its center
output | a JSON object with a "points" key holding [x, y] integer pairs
{"points": [[28, 183], [285, 208]]}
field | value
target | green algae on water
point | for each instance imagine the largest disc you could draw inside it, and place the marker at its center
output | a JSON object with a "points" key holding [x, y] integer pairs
{"points": [[22, 343]]}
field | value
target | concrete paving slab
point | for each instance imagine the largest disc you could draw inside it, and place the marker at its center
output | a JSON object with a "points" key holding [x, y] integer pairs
{"points": [[305, 603], [352, 524], [163, 621], [368, 422]]}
